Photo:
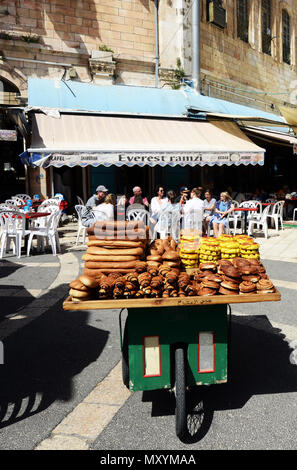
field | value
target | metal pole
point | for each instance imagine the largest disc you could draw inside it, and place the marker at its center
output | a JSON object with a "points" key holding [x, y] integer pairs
{"points": [[196, 44], [156, 45]]}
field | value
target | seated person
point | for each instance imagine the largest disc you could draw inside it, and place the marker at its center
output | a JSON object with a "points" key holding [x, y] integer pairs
{"points": [[209, 204], [107, 207], [137, 197], [220, 218]]}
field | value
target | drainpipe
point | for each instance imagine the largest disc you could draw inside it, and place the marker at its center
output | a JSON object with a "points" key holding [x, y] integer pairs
{"points": [[156, 2], [196, 45]]}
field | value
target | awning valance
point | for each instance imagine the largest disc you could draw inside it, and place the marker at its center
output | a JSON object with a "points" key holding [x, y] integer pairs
{"points": [[76, 139]]}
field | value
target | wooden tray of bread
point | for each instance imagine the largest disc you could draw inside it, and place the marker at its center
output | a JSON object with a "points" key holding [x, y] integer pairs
{"points": [[70, 304]]}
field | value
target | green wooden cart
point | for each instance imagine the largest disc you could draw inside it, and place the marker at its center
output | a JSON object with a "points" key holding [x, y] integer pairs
{"points": [[174, 343]]}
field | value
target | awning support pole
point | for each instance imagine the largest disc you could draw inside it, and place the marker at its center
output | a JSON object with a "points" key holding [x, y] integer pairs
{"points": [[156, 45], [196, 45]]}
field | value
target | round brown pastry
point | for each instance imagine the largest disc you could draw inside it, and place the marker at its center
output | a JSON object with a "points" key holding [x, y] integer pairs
{"points": [[211, 276], [208, 267], [224, 291], [224, 262], [255, 262], [249, 269], [230, 271], [88, 281], [209, 284], [250, 277], [230, 285], [265, 285], [236, 280], [247, 286], [205, 291], [238, 262], [78, 285]]}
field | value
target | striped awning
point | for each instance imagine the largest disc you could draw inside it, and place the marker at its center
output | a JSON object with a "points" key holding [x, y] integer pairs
{"points": [[92, 139]]}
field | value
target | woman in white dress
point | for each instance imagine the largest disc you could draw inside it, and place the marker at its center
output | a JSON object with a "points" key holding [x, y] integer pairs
{"points": [[193, 211], [157, 204], [209, 205]]}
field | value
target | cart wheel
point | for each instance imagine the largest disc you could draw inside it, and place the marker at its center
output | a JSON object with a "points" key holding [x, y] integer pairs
{"points": [[125, 357], [180, 393]]}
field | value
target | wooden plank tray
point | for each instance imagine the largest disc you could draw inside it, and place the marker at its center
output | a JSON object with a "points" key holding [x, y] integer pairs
{"points": [[69, 304]]}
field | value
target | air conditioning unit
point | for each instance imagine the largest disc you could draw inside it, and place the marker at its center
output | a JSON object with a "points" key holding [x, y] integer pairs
{"points": [[217, 14]]}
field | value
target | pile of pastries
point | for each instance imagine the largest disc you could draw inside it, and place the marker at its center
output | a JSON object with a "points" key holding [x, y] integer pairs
{"points": [[237, 277]]}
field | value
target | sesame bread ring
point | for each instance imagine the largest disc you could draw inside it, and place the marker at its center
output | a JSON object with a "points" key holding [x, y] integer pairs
{"points": [[224, 291], [264, 284], [209, 284], [230, 285], [247, 286]]}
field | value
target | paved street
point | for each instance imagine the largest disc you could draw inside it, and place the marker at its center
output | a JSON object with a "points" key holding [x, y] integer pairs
{"points": [[61, 385]]}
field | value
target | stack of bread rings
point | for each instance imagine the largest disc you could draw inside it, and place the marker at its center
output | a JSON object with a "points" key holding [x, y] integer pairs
{"points": [[189, 248], [209, 250]]}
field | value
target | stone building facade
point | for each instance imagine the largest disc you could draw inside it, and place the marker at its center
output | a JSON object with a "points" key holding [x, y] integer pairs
{"points": [[250, 61], [114, 42]]}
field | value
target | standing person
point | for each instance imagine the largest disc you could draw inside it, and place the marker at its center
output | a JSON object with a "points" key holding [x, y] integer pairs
{"points": [[107, 207], [158, 202], [170, 209], [97, 198], [209, 205], [193, 211], [223, 207], [183, 195], [137, 197]]}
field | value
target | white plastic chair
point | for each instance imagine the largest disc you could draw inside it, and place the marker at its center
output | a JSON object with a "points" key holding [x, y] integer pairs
{"points": [[49, 232], [50, 201], [13, 227], [270, 200], [294, 212], [81, 228], [168, 224], [138, 214], [24, 197], [277, 214], [234, 217], [12, 203], [80, 201], [260, 223]]}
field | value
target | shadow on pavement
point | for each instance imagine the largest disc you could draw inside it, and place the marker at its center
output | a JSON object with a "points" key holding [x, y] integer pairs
{"points": [[259, 363], [42, 358]]}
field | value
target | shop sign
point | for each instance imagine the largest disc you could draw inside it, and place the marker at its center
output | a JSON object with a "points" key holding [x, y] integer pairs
{"points": [[8, 135], [154, 158]]}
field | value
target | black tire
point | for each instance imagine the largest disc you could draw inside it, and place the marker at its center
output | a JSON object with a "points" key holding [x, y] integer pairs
{"points": [[125, 357], [180, 393]]}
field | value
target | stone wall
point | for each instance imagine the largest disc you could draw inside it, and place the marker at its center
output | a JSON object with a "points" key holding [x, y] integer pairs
{"points": [[70, 32], [231, 68]]}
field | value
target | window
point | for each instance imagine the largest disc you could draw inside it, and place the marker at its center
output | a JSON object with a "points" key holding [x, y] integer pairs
{"points": [[286, 36], [243, 20], [266, 26]]}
